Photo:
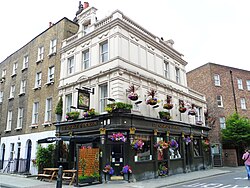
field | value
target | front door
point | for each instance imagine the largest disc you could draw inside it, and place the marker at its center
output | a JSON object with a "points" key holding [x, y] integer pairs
{"points": [[117, 157]]}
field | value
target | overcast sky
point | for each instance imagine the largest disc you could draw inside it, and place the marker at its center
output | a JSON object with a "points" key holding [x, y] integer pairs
{"points": [[216, 31]]}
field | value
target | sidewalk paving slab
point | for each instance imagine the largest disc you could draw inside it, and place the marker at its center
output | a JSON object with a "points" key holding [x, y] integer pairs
{"points": [[15, 181]]}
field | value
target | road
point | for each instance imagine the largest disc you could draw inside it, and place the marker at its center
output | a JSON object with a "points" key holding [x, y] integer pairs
{"points": [[236, 179]]}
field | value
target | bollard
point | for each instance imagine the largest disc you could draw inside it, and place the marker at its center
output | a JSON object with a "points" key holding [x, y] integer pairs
{"points": [[59, 177]]}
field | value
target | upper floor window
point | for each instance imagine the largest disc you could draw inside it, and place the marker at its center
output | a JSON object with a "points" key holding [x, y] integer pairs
{"points": [[40, 53], [248, 85], [243, 103], [52, 48], [103, 96], [14, 72], [166, 69], [68, 102], [240, 85], [9, 120], [51, 72], [219, 101], [222, 123], [3, 73], [177, 74], [35, 113], [85, 59], [71, 65], [38, 80], [23, 86], [20, 118], [48, 110], [104, 51], [1, 96], [12, 91], [198, 116], [12, 151], [25, 62], [217, 80]]}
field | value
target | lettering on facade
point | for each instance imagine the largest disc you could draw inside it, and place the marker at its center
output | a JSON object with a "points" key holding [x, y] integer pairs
{"points": [[164, 126], [78, 126]]}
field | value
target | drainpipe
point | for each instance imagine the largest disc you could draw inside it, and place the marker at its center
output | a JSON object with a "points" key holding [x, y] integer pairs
{"points": [[235, 104]]}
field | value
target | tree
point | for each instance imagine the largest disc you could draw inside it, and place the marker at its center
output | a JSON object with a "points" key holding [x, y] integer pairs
{"points": [[59, 107], [45, 157], [237, 131]]}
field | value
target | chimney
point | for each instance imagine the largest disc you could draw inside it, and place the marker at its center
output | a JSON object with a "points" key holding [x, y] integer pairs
{"points": [[85, 5], [169, 42], [50, 24]]}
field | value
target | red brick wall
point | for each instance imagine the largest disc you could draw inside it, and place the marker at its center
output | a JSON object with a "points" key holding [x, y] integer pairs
{"points": [[229, 157]]}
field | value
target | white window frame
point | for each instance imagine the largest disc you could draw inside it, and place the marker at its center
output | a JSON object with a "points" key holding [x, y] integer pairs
{"points": [[25, 62], [103, 96], [1, 96], [40, 53], [71, 65], [48, 110], [240, 84], [248, 85], [68, 102], [38, 82], [177, 74], [166, 69], [35, 113], [243, 104], [23, 86], [85, 59], [198, 116], [52, 48], [9, 121], [12, 151], [104, 52], [51, 74], [217, 80], [4, 73], [20, 118], [222, 122], [14, 71], [12, 91], [219, 101]]}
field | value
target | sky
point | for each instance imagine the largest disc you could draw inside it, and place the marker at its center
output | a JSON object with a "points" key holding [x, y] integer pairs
{"points": [[216, 31]]}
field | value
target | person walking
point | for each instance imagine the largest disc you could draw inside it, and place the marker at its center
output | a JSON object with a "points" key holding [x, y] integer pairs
{"points": [[246, 158]]}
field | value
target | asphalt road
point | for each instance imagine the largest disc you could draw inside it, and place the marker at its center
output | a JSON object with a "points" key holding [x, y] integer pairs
{"points": [[236, 179]]}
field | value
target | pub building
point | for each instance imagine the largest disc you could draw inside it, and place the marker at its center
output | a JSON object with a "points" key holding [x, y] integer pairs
{"points": [[127, 109]]}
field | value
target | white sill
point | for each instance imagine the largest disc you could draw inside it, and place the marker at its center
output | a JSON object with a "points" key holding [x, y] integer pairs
{"points": [[33, 126], [18, 129], [25, 68], [46, 124], [6, 131], [13, 75], [49, 83], [39, 61], [36, 88], [51, 54], [10, 98], [21, 94]]}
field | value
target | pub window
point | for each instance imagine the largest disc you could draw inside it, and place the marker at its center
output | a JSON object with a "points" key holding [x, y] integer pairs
{"points": [[197, 148], [174, 147], [145, 153], [161, 147]]}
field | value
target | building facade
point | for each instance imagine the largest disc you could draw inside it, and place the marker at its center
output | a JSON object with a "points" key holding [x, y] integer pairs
{"points": [[227, 91], [28, 94], [105, 58]]}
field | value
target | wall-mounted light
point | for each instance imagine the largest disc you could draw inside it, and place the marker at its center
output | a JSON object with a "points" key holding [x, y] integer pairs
{"points": [[102, 133], [131, 138], [102, 139]]}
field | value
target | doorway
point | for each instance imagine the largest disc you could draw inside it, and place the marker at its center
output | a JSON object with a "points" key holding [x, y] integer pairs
{"points": [[18, 155], [3, 153], [117, 157], [28, 158]]}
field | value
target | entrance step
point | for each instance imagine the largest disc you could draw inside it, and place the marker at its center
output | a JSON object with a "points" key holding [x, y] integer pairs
{"points": [[116, 178]]}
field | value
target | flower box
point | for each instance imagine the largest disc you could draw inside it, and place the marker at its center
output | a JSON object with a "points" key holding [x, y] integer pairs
{"points": [[72, 115], [164, 115]]}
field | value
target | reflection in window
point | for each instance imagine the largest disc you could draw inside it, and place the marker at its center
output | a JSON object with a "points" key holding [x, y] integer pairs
{"points": [[145, 153], [174, 148], [196, 148]]}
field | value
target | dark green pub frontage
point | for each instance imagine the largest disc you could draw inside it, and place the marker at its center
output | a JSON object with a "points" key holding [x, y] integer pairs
{"points": [[149, 146]]}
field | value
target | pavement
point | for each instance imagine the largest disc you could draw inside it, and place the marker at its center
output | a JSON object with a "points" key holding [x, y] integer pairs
{"points": [[18, 181]]}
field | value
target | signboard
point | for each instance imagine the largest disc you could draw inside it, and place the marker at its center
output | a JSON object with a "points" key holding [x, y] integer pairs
{"points": [[83, 101]]}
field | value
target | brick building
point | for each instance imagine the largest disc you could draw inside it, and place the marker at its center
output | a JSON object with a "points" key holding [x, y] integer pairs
{"points": [[28, 94], [227, 90]]}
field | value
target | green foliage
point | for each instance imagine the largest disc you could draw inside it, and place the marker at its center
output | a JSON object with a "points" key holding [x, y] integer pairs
{"points": [[59, 107], [45, 157], [164, 115], [118, 105], [72, 115], [237, 132]]}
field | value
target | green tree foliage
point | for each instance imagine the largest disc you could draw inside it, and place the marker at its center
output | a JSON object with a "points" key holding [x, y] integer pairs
{"points": [[59, 107], [45, 157], [237, 132]]}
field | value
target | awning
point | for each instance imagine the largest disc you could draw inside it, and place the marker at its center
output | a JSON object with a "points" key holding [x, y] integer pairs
{"points": [[83, 139]]}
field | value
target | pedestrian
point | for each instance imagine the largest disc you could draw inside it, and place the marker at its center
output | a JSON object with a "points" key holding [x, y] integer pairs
{"points": [[246, 158]]}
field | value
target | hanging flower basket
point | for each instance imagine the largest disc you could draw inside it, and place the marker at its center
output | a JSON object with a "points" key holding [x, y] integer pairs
{"points": [[164, 115], [187, 140], [161, 145], [118, 137], [173, 144], [151, 100], [182, 109], [163, 170], [133, 96], [192, 111], [206, 145], [137, 145], [168, 106]]}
